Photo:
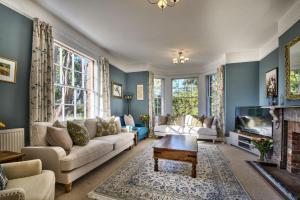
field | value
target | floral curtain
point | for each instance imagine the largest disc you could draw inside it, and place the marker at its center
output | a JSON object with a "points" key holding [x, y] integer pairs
{"points": [[41, 75], [105, 87], [151, 103], [220, 100]]}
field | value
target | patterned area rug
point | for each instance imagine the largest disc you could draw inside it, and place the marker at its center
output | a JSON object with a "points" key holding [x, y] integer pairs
{"points": [[137, 180]]}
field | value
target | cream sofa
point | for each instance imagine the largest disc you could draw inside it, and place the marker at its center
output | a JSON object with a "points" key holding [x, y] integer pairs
{"points": [[81, 159], [27, 180], [186, 128]]}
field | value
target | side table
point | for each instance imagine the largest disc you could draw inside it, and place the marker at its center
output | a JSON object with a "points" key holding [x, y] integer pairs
{"points": [[9, 156], [135, 137]]}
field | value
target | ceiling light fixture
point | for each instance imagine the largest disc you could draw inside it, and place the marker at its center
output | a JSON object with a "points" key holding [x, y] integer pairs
{"points": [[162, 4], [180, 59]]}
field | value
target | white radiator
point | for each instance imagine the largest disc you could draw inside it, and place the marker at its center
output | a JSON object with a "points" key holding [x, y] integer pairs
{"points": [[12, 139]]}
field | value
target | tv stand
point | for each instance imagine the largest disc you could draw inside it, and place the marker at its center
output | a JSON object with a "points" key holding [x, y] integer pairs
{"points": [[243, 140]]}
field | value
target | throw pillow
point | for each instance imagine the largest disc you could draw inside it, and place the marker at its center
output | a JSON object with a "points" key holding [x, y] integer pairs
{"points": [[79, 133], [3, 179], [106, 127], [118, 124], [129, 121], [59, 124], [163, 120], [59, 137], [208, 122]]}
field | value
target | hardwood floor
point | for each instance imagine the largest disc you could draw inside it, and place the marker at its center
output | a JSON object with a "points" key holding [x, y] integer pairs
{"points": [[254, 184]]}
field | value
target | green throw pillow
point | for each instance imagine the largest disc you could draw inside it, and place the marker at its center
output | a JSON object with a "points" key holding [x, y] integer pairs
{"points": [[106, 127], [79, 133]]}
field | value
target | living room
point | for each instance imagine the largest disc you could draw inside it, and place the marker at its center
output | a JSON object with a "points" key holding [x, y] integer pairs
{"points": [[149, 99]]}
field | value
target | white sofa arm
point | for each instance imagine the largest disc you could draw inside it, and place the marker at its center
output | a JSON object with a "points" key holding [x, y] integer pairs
{"points": [[49, 155], [12, 194], [124, 130]]}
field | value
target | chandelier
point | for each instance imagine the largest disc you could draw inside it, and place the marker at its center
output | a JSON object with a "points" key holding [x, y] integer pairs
{"points": [[180, 59], [162, 4]]}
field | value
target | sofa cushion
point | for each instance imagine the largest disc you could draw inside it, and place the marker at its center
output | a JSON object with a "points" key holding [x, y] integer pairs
{"points": [[38, 134], [59, 137], [106, 127], [81, 155], [163, 120], [79, 133], [129, 121], [117, 140], [35, 187], [208, 122], [91, 125], [118, 124]]}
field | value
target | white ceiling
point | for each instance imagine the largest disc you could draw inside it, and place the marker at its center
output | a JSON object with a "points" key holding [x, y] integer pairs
{"points": [[142, 35]]}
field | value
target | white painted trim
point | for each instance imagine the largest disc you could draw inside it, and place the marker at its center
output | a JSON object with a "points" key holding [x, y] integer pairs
{"points": [[268, 47], [239, 57]]}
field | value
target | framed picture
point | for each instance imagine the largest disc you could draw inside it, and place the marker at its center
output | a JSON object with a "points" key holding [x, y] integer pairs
{"points": [[272, 83], [8, 70], [140, 92], [116, 90]]}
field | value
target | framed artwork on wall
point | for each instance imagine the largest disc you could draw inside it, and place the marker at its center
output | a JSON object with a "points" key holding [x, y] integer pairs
{"points": [[116, 90], [272, 83], [8, 70], [140, 92]]}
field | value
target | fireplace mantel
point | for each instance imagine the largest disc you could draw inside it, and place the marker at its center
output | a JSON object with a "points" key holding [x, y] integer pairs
{"points": [[273, 113]]}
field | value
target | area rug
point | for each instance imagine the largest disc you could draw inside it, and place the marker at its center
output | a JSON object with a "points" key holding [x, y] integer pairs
{"points": [[137, 180]]}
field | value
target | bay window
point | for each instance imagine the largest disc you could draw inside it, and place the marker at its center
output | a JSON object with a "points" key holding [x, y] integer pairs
{"points": [[185, 96]]}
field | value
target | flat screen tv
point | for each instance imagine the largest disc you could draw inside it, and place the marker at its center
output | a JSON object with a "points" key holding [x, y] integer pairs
{"points": [[254, 120]]}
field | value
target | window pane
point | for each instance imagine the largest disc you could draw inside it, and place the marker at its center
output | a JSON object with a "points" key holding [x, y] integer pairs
{"points": [[56, 55], [78, 79], [69, 112], [67, 58], [69, 95], [57, 74], [79, 97], [85, 65], [67, 77], [157, 96], [185, 97], [80, 111], [58, 112], [58, 94], [77, 63]]}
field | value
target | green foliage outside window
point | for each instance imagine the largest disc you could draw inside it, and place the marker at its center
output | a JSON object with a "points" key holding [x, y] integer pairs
{"points": [[185, 97], [294, 81]]}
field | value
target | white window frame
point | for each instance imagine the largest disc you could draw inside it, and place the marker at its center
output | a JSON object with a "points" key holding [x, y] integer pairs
{"points": [[95, 75]]}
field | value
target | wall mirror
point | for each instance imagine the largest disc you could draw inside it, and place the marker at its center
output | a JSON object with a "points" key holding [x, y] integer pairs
{"points": [[292, 68]]}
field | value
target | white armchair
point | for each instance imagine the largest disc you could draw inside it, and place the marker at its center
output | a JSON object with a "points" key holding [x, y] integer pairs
{"points": [[27, 180]]}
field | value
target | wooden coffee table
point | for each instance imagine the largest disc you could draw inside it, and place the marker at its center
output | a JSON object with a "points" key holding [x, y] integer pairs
{"points": [[9, 156], [179, 148]]}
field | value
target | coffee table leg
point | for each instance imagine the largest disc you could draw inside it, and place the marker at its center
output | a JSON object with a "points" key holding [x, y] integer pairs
{"points": [[194, 169], [155, 164]]}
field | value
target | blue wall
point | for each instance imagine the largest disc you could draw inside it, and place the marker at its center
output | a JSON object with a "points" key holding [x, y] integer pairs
{"points": [[266, 64], [15, 43], [138, 107], [289, 35], [118, 106], [129, 82], [241, 89]]}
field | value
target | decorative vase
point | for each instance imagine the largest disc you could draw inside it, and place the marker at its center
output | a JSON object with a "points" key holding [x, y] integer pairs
{"points": [[262, 157]]}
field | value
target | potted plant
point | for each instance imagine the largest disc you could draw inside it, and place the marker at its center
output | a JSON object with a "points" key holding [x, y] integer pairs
{"points": [[2, 125], [145, 119], [263, 145]]}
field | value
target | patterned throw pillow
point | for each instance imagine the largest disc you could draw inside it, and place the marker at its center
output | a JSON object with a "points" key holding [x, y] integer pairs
{"points": [[79, 133], [106, 127], [129, 121], [3, 179]]}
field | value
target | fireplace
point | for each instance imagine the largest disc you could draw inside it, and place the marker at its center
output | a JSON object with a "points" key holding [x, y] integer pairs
{"points": [[293, 147], [286, 138]]}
